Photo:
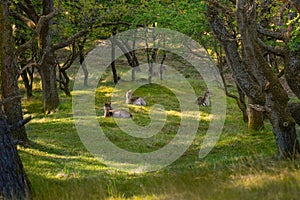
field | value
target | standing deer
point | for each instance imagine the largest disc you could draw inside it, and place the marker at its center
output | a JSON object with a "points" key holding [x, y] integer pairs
{"points": [[204, 101], [130, 99], [109, 112]]}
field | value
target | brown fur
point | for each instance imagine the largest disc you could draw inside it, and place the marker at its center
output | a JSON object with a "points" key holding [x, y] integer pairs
{"points": [[204, 101], [109, 112], [130, 99]]}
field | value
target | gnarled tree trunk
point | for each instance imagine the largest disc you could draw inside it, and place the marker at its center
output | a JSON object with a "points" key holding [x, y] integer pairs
{"points": [[292, 71], [48, 75], [276, 98], [9, 73], [47, 66], [254, 76], [13, 181]]}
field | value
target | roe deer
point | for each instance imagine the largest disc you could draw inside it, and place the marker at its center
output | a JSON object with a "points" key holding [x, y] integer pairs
{"points": [[109, 112], [130, 99], [204, 101]]}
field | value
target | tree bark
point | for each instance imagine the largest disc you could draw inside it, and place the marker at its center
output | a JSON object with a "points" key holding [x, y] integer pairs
{"points": [[113, 56], [13, 180], [28, 84], [292, 71], [255, 118], [48, 75], [81, 61], [9, 84], [276, 98], [47, 66], [14, 183], [254, 76]]}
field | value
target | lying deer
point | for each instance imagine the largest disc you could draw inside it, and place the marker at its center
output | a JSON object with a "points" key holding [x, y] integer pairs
{"points": [[109, 112], [204, 101], [130, 99]]}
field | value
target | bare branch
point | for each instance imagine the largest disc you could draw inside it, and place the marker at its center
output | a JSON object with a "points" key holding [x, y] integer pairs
{"points": [[20, 123], [30, 23], [70, 40], [104, 24], [30, 11], [9, 99], [45, 19], [30, 64], [258, 107], [273, 34], [275, 50], [26, 45]]}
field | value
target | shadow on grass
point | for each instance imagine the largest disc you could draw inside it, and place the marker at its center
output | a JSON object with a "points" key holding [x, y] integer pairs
{"points": [[248, 180]]}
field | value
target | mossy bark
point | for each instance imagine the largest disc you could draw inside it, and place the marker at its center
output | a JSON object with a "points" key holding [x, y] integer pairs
{"points": [[253, 75], [255, 118]]}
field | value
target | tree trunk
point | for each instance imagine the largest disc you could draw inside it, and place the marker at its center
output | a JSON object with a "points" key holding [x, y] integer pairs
{"points": [[81, 61], [27, 83], [292, 71], [242, 103], [113, 46], [254, 76], [48, 75], [9, 84], [276, 98], [255, 118], [48, 67], [13, 180]]}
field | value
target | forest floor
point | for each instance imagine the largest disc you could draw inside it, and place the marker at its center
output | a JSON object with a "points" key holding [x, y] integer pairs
{"points": [[242, 165]]}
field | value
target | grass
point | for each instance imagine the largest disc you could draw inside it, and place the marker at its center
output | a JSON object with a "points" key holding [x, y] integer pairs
{"points": [[240, 166]]}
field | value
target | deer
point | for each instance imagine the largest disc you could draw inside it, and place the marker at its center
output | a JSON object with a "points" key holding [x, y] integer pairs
{"points": [[109, 112], [204, 101], [130, 99]]}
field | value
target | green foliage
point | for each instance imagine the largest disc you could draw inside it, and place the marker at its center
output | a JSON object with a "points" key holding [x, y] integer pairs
{"points": [[295, 35]]}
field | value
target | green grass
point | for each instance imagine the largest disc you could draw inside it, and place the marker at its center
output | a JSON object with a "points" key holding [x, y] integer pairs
{"points": [[240, 166]]}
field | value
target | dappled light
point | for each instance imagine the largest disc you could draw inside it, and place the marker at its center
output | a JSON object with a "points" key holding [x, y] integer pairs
{"points": [[149, 100]]}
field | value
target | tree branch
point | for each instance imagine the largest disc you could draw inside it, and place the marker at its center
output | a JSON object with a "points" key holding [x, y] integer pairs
{"points": [[30, 64], [70, 40], [45, 19], [26, 45], [295, 3], [272, 34], [20, 123], [104, 24], [279, 51], [30, 11], [222, 9], [30, 23]]}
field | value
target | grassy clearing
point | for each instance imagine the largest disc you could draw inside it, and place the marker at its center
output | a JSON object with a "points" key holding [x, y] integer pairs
{"points": [[240, 166]]}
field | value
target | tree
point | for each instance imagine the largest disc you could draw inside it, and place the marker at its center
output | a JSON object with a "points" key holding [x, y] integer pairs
{"points": [[13, 181], [253, 74], [42, 31], [9, 78]]}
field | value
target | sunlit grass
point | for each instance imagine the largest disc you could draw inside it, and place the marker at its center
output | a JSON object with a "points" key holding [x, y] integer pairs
{"points": [[240, 166]]}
